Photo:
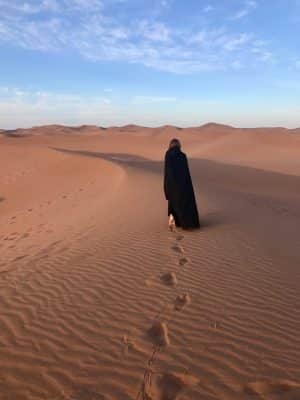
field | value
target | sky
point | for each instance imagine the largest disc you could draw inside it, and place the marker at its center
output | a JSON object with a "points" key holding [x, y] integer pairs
{"points": [[149, 62]]}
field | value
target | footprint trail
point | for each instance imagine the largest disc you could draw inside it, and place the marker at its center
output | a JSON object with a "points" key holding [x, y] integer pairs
{"points": [[168, 385]]}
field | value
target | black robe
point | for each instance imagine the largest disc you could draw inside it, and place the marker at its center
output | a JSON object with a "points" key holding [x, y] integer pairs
{"points": [[179, 190]]}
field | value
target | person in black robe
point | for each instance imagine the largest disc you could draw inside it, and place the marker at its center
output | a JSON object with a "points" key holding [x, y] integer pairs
{"points": [[178, 188]]}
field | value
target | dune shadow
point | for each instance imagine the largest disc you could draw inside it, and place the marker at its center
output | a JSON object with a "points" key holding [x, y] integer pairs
{"points": [[129, 160], [212, 220], [208, 221]]}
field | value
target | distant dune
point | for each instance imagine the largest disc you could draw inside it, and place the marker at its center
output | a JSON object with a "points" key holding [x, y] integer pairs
{"points": [[93, 129], [53, 130]]}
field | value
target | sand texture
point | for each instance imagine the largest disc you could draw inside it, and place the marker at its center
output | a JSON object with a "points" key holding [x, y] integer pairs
{"points": [[99, 301]]}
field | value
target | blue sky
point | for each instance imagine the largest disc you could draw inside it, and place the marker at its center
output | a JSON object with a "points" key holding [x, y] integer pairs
{"points": [[150, 62]]}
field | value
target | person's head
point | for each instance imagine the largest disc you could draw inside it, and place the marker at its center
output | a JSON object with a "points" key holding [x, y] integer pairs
{"points": [[175, 143]]}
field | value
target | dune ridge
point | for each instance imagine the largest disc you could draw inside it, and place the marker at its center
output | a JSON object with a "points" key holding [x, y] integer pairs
{"points": [[56, 129]]}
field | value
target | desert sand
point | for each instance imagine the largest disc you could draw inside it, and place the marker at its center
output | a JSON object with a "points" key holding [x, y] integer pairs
{"points": [[99, 301]]}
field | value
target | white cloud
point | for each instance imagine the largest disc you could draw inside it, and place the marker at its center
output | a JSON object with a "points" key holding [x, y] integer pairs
{"points": [[29, 7], [154, 31], [208, 8], [249, 6], [233, 44], [31, 108], [165, 3], [263, 55], [87, 27], [85, 5], [42, 107]]}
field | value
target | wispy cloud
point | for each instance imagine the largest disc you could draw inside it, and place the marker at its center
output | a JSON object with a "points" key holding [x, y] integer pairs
{"points": [[239, 41], [43, 107], [154, 31], [249, 6], [39, 107], [208, 8], [88, 27]]}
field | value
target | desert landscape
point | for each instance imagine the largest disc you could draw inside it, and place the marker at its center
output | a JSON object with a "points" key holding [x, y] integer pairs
{"points": [[100, 301]]}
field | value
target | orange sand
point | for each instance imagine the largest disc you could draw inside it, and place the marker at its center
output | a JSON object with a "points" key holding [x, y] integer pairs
{"points": [[88, 267]]}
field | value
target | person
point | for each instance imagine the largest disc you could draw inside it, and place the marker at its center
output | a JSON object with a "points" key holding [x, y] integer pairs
{"points": [[178, 188]]}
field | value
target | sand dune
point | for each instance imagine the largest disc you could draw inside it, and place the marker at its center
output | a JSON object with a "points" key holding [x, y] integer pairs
{"points": [[98, 300]]}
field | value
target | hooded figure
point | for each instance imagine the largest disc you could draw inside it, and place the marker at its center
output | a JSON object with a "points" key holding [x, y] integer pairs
{"points": [[178, 188]]}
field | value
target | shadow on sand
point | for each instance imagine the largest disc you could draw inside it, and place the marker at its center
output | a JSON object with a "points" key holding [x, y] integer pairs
{"points": [[128, 160], [209, 220], [213, 219]]}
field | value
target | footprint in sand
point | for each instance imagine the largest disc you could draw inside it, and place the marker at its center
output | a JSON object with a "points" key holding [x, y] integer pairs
{"points": [[159, 334], [282, 389], [182, 301], [169, 279], [170, 386], [183, 261], [178, 249], [131, 345]]}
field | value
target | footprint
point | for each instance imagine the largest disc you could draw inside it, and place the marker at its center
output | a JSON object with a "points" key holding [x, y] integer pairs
{"points": [[181, 301], [179, 238], [149, 282], [159, 334], [170, 386], [169, 279], [178, 248], [131, 345], [183, 261]]}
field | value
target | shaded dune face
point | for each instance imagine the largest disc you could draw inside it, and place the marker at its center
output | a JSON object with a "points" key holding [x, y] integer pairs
{"points": [[103, 302]]}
